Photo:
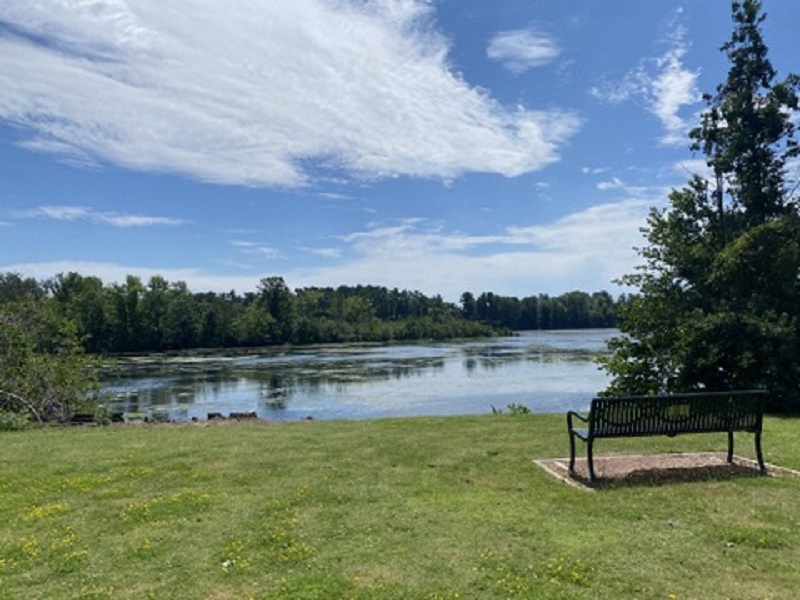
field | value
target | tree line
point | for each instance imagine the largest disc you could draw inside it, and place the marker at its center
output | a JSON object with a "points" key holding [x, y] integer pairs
{"points": [[572, 310], [159, 315]]}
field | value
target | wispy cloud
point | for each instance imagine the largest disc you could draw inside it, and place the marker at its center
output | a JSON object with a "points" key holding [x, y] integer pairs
{"points": [[257, 249], [334, 196], [673, 88], [523, 49], [584, 250], [594, 170], [323, 252], [664, 83], [612, 184], [261, 93], [83, 213]]}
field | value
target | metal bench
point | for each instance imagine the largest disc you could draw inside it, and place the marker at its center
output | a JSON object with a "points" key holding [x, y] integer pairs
{"points": [[637, 416]]}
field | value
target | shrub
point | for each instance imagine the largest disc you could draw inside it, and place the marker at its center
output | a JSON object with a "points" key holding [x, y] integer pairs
{"points": [[44, 372]]}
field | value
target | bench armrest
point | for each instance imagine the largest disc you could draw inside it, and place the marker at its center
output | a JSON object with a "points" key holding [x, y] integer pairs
{"points": [[572, 414]]}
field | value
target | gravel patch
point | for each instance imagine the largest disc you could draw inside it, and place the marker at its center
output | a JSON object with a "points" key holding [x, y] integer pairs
{"points": [[617, 470]]}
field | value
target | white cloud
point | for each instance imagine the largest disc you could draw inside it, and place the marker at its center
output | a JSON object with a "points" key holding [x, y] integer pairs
{"points": [[665, 84], [523, 49], [61, 213], [603, 232], [612, 184], [334, 196], [323, 252], [633, 84], [119, 220], [673, 88], [258, 93], [256, 249], [82, 213], [594, 170], [586, 250]]}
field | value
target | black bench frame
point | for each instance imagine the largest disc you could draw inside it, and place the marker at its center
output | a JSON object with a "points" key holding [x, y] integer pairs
{"points": [[637, 416]]}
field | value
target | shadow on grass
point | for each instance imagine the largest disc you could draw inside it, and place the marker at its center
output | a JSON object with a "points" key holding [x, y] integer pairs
{"points": [[661, 476], [619, 471]]}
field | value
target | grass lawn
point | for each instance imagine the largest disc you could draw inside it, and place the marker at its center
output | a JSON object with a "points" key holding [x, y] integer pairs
{"points": [[427, 508]]}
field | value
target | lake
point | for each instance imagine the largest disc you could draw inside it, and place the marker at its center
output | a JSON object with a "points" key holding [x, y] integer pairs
{"points": [[546, 371]]}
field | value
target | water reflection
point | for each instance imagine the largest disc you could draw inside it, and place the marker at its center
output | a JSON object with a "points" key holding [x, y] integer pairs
{"points": [[547, 371]]}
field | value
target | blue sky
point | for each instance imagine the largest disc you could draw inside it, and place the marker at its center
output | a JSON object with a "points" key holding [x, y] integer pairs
{"points": [[512, 146]]}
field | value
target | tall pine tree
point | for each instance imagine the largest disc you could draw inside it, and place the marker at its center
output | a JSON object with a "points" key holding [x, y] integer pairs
{"points": [[719, 297]]}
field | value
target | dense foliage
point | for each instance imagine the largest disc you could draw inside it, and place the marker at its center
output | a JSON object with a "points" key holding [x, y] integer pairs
{"points": [[44, 372], [719, 290], [573, 310], [159, 315]]}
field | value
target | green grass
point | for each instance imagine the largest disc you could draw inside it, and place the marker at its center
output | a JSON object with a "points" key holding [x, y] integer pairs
{"points": [[414, 508]]}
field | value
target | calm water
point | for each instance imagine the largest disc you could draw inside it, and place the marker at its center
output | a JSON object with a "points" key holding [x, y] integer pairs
{"points": [[545, 371]]}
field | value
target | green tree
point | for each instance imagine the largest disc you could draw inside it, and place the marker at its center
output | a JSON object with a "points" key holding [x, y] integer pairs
{"points": [[128, 331], [469, 307], [84, 300], [180, 320], [44, 372], [14, 287], [602, 311], [718, 291], [278, 301], [215, 318], [254, 325], [155, 304]]}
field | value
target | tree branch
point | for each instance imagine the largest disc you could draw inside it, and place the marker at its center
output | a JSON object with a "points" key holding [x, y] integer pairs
{"points": [[24, 402]]}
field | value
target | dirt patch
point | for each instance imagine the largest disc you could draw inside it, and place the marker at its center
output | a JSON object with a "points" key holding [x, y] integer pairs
{"points": [[657, 469]]}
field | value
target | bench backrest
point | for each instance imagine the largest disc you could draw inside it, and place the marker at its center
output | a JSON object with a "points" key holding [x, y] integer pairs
{"points": [[677, 413]]}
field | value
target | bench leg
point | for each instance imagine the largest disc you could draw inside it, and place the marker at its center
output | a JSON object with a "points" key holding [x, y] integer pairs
{"points": [[730, 446], [571, 453], [759, 455], [590, 459]]}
